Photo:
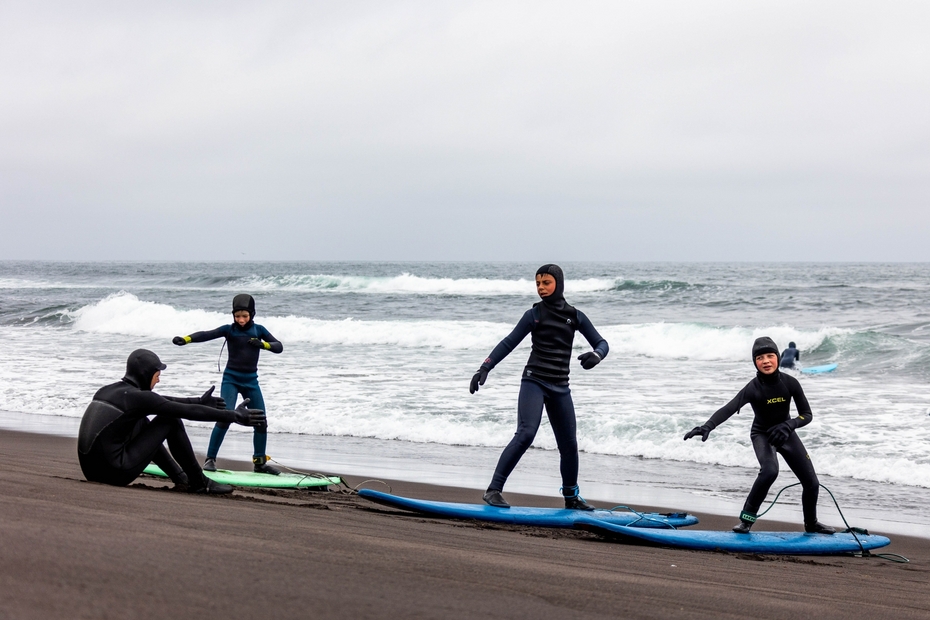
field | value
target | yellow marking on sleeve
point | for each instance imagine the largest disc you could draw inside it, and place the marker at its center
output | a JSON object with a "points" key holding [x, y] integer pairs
{"points": [[187, 339]]}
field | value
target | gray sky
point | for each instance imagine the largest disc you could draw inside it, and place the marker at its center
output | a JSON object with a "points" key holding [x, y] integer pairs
{"points": [[465, 130]]}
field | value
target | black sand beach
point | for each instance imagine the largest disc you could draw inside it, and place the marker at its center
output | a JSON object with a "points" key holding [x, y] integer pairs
{"points": [[73, 549]]}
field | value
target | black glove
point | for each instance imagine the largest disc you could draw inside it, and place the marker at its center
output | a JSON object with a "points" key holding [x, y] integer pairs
{"points": [[210, 400], [179, 340], [589, 360], [702, 430], [257, 342], [780, 433], [249, 417], [480, 377]]}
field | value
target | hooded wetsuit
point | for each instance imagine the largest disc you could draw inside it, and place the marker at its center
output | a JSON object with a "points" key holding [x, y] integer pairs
{"points": [[552, 323], [770, 398], [116, 440], [241, 374]]}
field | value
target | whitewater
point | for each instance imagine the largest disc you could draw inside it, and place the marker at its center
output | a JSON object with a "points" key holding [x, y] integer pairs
{"points": [[382, 353]]}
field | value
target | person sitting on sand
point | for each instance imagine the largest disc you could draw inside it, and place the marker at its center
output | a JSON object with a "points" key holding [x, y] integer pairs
{"points": [[773, 431], [789, 356], [116, 440], [553, 324], [245, 339]]}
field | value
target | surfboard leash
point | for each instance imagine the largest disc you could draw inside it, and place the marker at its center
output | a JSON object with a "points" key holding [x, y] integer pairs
{"points": [[343, 486], [855, 531], [313, 475], [642, 517]]}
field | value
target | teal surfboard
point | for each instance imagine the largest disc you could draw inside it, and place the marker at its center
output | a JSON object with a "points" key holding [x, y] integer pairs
{"points": [[519, 515], [816, 370], [252, 479], [784, 543]]}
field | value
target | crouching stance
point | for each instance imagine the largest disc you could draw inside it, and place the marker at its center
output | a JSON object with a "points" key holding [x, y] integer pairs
{"points": [[773, 432], [117, 441], [545, 383]]}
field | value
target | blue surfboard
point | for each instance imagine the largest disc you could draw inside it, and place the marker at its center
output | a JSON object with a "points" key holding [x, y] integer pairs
{"points": [[517, 515], [816, 370], [785, 543]]}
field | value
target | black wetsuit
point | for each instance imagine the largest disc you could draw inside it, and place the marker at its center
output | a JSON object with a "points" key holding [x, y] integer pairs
{"points": [[788, 357], [545, 383], [116, 440], [770, 397]]}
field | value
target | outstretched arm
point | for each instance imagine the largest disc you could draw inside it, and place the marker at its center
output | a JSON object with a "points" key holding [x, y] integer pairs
{"points": [[213, 334], [503, 349], [508, 344], [721, 415]]}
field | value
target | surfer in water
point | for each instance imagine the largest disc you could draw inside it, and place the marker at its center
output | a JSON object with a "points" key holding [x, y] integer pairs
{"points": [[116, 440], [245, 339], [789, 356], [772, 433], [552, 323]]}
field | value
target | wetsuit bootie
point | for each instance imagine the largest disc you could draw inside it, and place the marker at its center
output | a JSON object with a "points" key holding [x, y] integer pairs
{"points": [[742, 527], [260, 466], [209, 465], [494, 498], [818, 528], [209, 487], [575, 501]]}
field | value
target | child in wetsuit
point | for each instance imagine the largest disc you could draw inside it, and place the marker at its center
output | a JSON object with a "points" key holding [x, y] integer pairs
{"points": [[245, 339], [553, 324], [773, 431]]}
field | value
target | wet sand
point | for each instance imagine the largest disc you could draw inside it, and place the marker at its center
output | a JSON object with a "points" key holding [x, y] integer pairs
{"points": [[74, 549]]}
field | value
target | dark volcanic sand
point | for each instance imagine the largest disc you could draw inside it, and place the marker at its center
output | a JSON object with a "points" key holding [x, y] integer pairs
{"points": [[73, 549]]}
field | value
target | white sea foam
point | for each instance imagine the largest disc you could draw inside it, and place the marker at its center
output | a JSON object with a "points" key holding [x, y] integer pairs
{"points": [[124, 313], [411, 284]]}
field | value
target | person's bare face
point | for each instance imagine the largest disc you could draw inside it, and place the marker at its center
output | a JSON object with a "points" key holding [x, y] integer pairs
{"points": [[545, 284], [767, 363]]}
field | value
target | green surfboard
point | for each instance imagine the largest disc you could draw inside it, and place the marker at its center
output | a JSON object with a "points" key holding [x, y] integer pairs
{"points": [[253, 479]]}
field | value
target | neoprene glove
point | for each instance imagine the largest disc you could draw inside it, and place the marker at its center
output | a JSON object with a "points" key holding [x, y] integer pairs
{"points": [[257, 343], [480, 377], [703, 431], [179, 340], [249, 417], [589, 360], [780, 433], [210, 400]]}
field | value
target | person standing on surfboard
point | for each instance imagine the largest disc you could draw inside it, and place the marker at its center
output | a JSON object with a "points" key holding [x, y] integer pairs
{"points": [[245, 339], [789, 356], [116, 440], [552, 323], [772, 433]]}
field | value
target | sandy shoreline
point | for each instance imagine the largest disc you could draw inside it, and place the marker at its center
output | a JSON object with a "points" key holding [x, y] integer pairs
{"points": [[80, 550]]}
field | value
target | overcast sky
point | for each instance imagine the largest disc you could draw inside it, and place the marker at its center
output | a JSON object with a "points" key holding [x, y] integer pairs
{"points": [[465, 130]]}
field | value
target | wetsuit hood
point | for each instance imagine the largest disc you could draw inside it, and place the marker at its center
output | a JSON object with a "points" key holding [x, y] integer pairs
{"points": [[247, 303], [141, 367], [556, 299], [760, 346], [791, 345]]}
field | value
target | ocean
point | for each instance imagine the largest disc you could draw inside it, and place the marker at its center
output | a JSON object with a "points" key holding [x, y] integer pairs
{"points": [[378, 356]]}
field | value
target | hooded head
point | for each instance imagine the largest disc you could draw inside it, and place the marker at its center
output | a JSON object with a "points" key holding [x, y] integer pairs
{"points": [[556, 299], [791, 345], [244, 302], [763, 345], [141, 367]]}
